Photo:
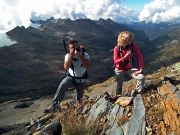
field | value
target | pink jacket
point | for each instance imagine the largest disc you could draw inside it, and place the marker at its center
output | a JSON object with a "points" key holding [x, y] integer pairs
{"points": [[119, 61]]}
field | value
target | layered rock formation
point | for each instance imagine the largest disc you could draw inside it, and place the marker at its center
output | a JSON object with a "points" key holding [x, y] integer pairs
{"points": [[156, 111]]}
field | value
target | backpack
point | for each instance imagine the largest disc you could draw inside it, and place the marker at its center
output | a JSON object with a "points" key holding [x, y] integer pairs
{"points": [[127, 61]]}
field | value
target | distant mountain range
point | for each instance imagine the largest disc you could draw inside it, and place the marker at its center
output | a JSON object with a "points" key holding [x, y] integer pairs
{"points": [[34, 65], [152, 30], [43, 22]]}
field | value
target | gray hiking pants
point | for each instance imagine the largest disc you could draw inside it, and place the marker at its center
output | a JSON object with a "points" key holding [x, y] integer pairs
{"points": [[63, 87], [119, 74]]}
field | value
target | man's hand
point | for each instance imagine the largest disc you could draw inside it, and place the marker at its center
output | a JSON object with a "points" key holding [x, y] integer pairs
{"points": [[71, 51], [67, 64], [78, 53]]}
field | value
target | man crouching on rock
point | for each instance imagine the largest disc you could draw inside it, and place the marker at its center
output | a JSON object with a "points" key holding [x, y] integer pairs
{"points": [[76, 64]]}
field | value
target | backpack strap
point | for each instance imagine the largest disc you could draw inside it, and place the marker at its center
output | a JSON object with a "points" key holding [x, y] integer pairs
{"points": [[119, 51], [132, 51], [84, 76], [131, 47], [127, 61], [72, 66]]}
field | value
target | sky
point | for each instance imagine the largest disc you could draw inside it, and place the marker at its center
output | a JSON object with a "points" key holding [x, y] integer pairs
{"points": [[135, 4], [19, 12]]}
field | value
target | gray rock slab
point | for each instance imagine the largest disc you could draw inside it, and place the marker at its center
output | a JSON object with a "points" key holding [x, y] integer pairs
{"points": [[99, 110]]}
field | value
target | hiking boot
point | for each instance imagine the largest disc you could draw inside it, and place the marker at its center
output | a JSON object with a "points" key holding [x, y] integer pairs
{"points": [[50, 109], [79, 102], [133, 93], [116, 96], [148, 86], [54, 128]]}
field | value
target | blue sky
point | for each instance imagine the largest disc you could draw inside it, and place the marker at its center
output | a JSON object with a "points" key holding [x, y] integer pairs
{"points": [[135, 4], [19, 12]]}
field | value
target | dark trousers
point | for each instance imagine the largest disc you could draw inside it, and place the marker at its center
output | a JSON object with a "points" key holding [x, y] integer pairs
{"points": [[66, 83]]}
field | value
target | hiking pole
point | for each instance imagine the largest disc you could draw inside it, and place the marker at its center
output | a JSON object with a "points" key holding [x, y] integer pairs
{"points": [[64, 45]]}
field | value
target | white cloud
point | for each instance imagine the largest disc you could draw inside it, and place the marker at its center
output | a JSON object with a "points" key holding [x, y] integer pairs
{"points": [[4, 40], [19, 12], [13, 14], [161, 11]]}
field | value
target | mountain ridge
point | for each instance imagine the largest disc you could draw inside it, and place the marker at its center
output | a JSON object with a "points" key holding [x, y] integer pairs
{"points": [[38, 55]]}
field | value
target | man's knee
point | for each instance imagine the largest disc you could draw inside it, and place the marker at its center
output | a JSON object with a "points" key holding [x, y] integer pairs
{"points": [[66, 82]]}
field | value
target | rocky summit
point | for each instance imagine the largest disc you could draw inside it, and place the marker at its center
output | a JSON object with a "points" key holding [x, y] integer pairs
{"points": [[155, 111]]}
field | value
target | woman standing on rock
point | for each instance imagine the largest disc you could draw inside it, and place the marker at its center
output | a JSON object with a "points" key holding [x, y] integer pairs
{"points": [[123, 54]]}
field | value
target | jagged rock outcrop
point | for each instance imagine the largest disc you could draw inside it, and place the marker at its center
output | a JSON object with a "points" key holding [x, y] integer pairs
{"points": [[132, 116], [170, 107], [119, 119], [99, 109], [123, 122], [156, 111]]}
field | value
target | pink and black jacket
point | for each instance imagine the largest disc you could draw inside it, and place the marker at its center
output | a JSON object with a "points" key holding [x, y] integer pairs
{"points": [[125, 65]]}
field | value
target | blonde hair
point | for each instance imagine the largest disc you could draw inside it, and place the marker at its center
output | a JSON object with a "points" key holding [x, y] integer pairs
{"points": [[123, 38]]}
